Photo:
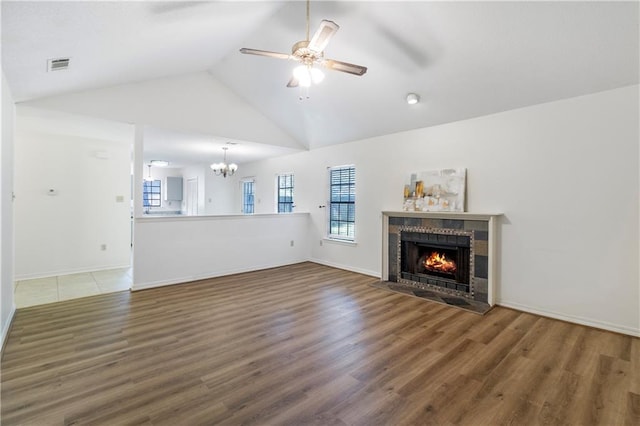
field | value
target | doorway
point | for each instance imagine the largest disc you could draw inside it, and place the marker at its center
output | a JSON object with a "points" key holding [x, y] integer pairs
{"points": [[77, 170], [192, 197]]}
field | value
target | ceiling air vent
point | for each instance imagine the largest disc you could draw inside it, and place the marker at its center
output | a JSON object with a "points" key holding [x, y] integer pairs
{"points": [[58, 64]]}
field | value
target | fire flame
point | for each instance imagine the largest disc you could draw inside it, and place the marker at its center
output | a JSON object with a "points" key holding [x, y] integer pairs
{"points": [[438, 262]]}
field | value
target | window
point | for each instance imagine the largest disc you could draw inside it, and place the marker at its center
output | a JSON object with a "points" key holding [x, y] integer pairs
{"points": [[151, 193], [247, 196], [285, 193], [342, 202]]}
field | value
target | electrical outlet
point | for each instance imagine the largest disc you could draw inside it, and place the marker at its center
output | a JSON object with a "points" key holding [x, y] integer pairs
{"points": [[291, 243], [320, 242]]}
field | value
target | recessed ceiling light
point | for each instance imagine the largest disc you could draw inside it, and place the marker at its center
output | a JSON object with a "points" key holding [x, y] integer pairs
{"points": [[413, 98], [159, 163]]}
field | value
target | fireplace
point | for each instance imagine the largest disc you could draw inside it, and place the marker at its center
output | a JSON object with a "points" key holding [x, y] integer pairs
{"points": [[437, 259], [466, 239]]}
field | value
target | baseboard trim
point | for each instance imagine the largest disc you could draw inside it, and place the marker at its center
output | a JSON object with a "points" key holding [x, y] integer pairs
{"points": [[375, 274], [6, 329], [573, 319]]}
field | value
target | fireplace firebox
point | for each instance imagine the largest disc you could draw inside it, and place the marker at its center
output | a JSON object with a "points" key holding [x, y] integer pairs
{"points": [[438, 259]]}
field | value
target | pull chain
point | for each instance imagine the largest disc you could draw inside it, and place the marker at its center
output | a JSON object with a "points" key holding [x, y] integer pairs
{"points": [[304, 93]]}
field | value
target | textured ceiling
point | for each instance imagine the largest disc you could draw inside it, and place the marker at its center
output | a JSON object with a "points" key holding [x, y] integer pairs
{"points": [[465, 59]]}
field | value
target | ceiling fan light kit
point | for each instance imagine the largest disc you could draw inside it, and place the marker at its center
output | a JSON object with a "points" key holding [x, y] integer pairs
{"points": [[310, 52], [306, 74]]}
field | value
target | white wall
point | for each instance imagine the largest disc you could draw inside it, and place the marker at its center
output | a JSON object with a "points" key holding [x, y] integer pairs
{"points": [[180, 249], [221, 194], [63, 233], [7, 306], [565, 175]]}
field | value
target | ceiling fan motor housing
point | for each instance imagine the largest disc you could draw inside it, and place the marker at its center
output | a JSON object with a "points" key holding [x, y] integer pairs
{"points": [[303, 53], [299, 46]]}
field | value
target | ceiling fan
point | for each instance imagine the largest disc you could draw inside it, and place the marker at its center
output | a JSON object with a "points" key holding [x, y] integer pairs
{"points": [[309, 52]]}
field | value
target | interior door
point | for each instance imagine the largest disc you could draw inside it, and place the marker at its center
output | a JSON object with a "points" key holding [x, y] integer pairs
{"points": [[192, 197]]}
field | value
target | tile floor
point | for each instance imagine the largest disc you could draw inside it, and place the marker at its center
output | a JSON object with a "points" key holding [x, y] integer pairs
{"points": [[64, 287]]}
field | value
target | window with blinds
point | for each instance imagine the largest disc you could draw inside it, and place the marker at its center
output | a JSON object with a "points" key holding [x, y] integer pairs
{"points": [[342, 202]]}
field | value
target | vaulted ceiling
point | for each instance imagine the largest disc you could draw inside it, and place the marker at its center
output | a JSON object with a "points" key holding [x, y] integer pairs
{"points": [[464, 59]]}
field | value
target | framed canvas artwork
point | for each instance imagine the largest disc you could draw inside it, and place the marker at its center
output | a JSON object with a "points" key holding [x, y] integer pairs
{"points": [[436, 191]]}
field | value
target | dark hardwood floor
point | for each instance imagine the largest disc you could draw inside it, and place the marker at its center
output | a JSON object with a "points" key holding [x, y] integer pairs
{"points": [[308, 344]]}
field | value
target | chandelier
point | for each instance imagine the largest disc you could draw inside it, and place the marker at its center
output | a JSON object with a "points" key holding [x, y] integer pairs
{"points": [[223, 168]]}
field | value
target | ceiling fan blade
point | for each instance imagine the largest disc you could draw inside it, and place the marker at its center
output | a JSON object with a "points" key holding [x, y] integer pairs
{"points": [[265, 53], [344, 67], [293, 82], [322, 36]]}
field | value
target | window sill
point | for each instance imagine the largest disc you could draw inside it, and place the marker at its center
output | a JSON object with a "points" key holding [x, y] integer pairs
{"points": [[340, 242]]}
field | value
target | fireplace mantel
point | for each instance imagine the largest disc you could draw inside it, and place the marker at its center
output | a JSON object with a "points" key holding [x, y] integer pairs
{"points": [[444, 215], [482, 222]]}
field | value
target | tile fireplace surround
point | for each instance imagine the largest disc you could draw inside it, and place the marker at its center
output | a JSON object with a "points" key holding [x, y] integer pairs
{"points": [[480, 229]]}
